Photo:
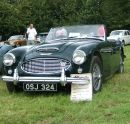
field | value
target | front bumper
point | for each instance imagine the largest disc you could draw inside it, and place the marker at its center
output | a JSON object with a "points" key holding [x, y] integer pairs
{"points": [[62, 79]]}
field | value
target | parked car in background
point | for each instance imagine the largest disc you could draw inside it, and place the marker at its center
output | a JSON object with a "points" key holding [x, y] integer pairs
{"points": [[67, 50], [122, 35], [11, 43], [17, 40]]}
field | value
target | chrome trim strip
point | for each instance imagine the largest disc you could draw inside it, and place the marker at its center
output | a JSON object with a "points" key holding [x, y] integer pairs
{"points": [[42, 54], [47, 49]]}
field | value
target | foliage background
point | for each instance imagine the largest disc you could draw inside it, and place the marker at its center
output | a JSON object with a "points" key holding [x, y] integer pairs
{"points": [[15, 15]]}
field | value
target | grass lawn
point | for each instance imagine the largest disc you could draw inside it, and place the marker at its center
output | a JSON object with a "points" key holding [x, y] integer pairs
{"points": [[110, 106]]}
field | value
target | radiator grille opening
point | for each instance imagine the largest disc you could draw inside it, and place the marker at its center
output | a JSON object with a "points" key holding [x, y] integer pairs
{"points": [[45, 65]]}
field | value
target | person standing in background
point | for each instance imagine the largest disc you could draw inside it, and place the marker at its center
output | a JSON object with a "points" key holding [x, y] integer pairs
{"points": [[31, 33]]}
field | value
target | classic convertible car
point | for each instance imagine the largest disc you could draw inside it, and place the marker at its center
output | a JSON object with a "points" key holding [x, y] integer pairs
{"points": [[17, 40], [12, 42], [67, 50]]}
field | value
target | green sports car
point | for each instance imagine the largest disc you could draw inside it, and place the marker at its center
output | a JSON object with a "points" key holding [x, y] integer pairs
{"points": [[67, 50]]}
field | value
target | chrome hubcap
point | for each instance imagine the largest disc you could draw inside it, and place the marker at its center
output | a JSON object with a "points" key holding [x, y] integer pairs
{"points": [[96, 74]]}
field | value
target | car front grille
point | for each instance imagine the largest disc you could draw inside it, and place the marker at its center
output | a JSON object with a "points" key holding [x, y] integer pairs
{"points": [[45, 65]]}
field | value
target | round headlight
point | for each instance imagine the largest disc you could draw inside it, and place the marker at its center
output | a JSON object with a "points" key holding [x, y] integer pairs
{"points": [[9, 59], [79, 57]]}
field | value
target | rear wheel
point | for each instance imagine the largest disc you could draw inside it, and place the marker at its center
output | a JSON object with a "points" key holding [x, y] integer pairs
{"points": [[121, 66], [123, 42], [96, 71]]}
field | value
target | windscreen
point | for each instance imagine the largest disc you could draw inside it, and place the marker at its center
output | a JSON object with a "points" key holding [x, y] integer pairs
{"points": [[70, 32], [116, 33]]}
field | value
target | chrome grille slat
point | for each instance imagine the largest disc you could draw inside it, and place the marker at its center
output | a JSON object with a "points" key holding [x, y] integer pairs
{"points": [[44, 65]]}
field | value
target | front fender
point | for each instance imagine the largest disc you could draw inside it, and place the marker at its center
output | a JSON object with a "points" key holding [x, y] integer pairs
{"points": [[90, 51], [19, 52], [3, 50]]}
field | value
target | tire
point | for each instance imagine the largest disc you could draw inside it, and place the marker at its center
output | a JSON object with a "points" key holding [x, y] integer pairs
{"points": [[11, 87], [121, 66], [123, 43], [96, 71], [2, 70]]}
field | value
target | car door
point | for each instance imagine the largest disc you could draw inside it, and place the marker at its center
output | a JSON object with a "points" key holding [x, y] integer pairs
{"points": [[106, 53], [111, 57], [115, 55]]}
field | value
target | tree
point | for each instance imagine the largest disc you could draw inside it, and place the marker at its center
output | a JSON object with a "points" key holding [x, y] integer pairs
{"points": [[15, 15], [116, 13]]}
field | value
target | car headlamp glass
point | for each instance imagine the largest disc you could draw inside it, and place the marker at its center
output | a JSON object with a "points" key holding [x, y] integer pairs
{"points": [[79, 57], [9, 59]]}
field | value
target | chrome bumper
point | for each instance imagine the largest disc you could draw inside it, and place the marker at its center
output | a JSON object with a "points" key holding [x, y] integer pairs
{"points": [[62, 79], [46, 79]]}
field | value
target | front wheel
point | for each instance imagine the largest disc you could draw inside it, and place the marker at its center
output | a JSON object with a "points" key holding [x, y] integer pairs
{"points": [[11, 87], [96, 71]]}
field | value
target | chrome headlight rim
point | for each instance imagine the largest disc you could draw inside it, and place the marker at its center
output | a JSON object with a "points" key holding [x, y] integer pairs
{"points": [[79, 57], [9, 61]]}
